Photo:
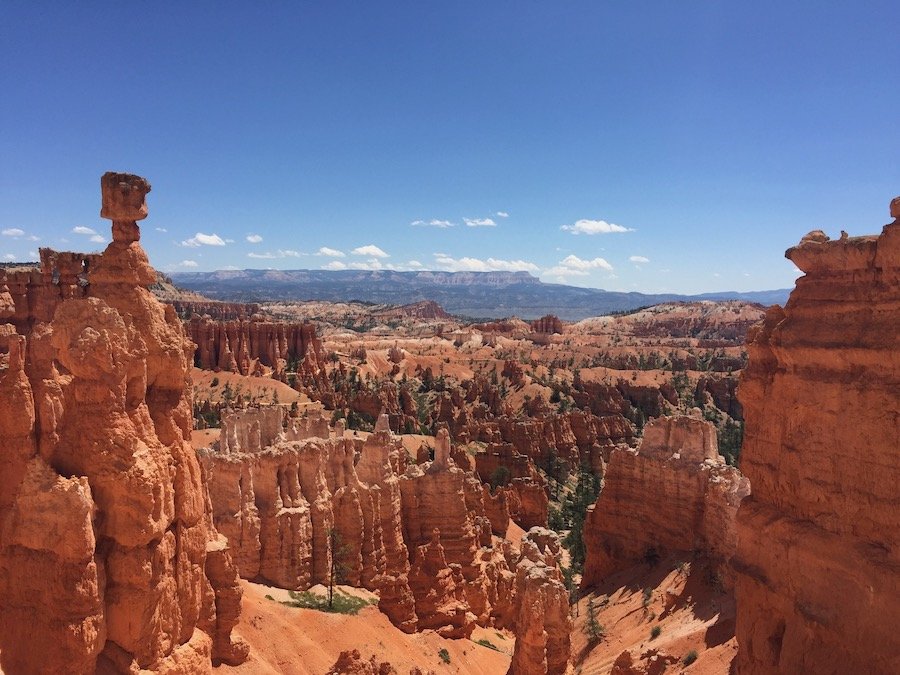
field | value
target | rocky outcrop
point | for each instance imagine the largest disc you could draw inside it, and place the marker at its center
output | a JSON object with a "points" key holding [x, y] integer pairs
{"points": [[543, 623], [674, 493], [818, 559], [547, 324], [108, 557], [258, 345]]}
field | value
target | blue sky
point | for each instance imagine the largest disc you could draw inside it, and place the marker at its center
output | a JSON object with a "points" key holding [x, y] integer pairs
{"points": [[652, 146]]}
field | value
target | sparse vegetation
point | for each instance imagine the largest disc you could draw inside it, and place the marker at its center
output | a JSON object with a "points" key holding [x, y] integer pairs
{"points": [[484, 642], [689, 658], [592, 627], [444, 655], [339, 603], [655, 632]]}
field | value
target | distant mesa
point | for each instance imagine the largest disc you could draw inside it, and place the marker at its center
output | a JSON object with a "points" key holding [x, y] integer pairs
{"points": [[483, 295]]}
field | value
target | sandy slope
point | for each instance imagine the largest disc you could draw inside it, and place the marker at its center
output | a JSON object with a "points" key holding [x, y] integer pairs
{"points": [[699, 618], [294, 641]]}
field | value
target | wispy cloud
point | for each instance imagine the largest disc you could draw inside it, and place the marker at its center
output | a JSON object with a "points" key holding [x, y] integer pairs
{"points": [[201, 239], [467, 264], [12, 232], [254, 238], [585, 226], [415, 264], [573, 266], [480, 222], [434, 222], [334, 265], [370, 250], [10, 256], [639, 259], [161, 229], [98, 239], [331, 252], [188, 263], [81, 229], [280, 253], [502, 214]]}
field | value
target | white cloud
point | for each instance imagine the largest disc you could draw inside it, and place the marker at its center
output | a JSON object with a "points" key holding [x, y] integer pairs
{"points": [[414, 264], [371, 250], [639, 259], [263, 256], [98, 239], [331, 252], [188, 263], [585, 226], [12, 232], [229, 241], [201, 239], [254, 238], [32, 237], [434, 222], [370, 264], [81, 229], [573, 266], [10, 256], [161, 229], [502, 214], [479, 222], [467, 264], [334, 265]]}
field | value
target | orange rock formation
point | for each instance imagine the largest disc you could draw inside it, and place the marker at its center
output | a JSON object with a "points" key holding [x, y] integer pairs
{"points": [[420, 535], [108, 558], [674, 493], [818, 559]]}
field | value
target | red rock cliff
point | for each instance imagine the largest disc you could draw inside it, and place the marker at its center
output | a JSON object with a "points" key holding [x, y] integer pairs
{"points": [[674, 493], [818, 559], [108, 557]]}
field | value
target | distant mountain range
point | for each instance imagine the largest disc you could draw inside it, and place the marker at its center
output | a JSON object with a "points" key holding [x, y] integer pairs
{"points": [[472, 294]]}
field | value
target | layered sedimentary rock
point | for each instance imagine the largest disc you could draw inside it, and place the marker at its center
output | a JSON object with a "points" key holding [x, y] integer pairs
{"points": [[543, 623], [108, 557], [248, 346], [674, 493], [419, 535], [818, 559]]}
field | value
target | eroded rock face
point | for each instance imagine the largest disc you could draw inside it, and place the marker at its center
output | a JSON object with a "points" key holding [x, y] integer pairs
{"points": [[818, 555], [543, 623], [421, 535], [108, 558], [673, 493]]}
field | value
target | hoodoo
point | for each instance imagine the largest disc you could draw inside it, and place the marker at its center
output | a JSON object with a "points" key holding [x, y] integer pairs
{"points": [[818, 558], [108, 557]]}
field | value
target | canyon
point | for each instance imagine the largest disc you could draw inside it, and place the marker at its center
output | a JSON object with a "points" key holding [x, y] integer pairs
{"points": [[537, 497]]}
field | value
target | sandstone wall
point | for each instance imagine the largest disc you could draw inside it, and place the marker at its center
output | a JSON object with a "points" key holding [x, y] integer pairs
{"points": [[246, 346], [108, 557], [674, 493], [818, 560]]}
